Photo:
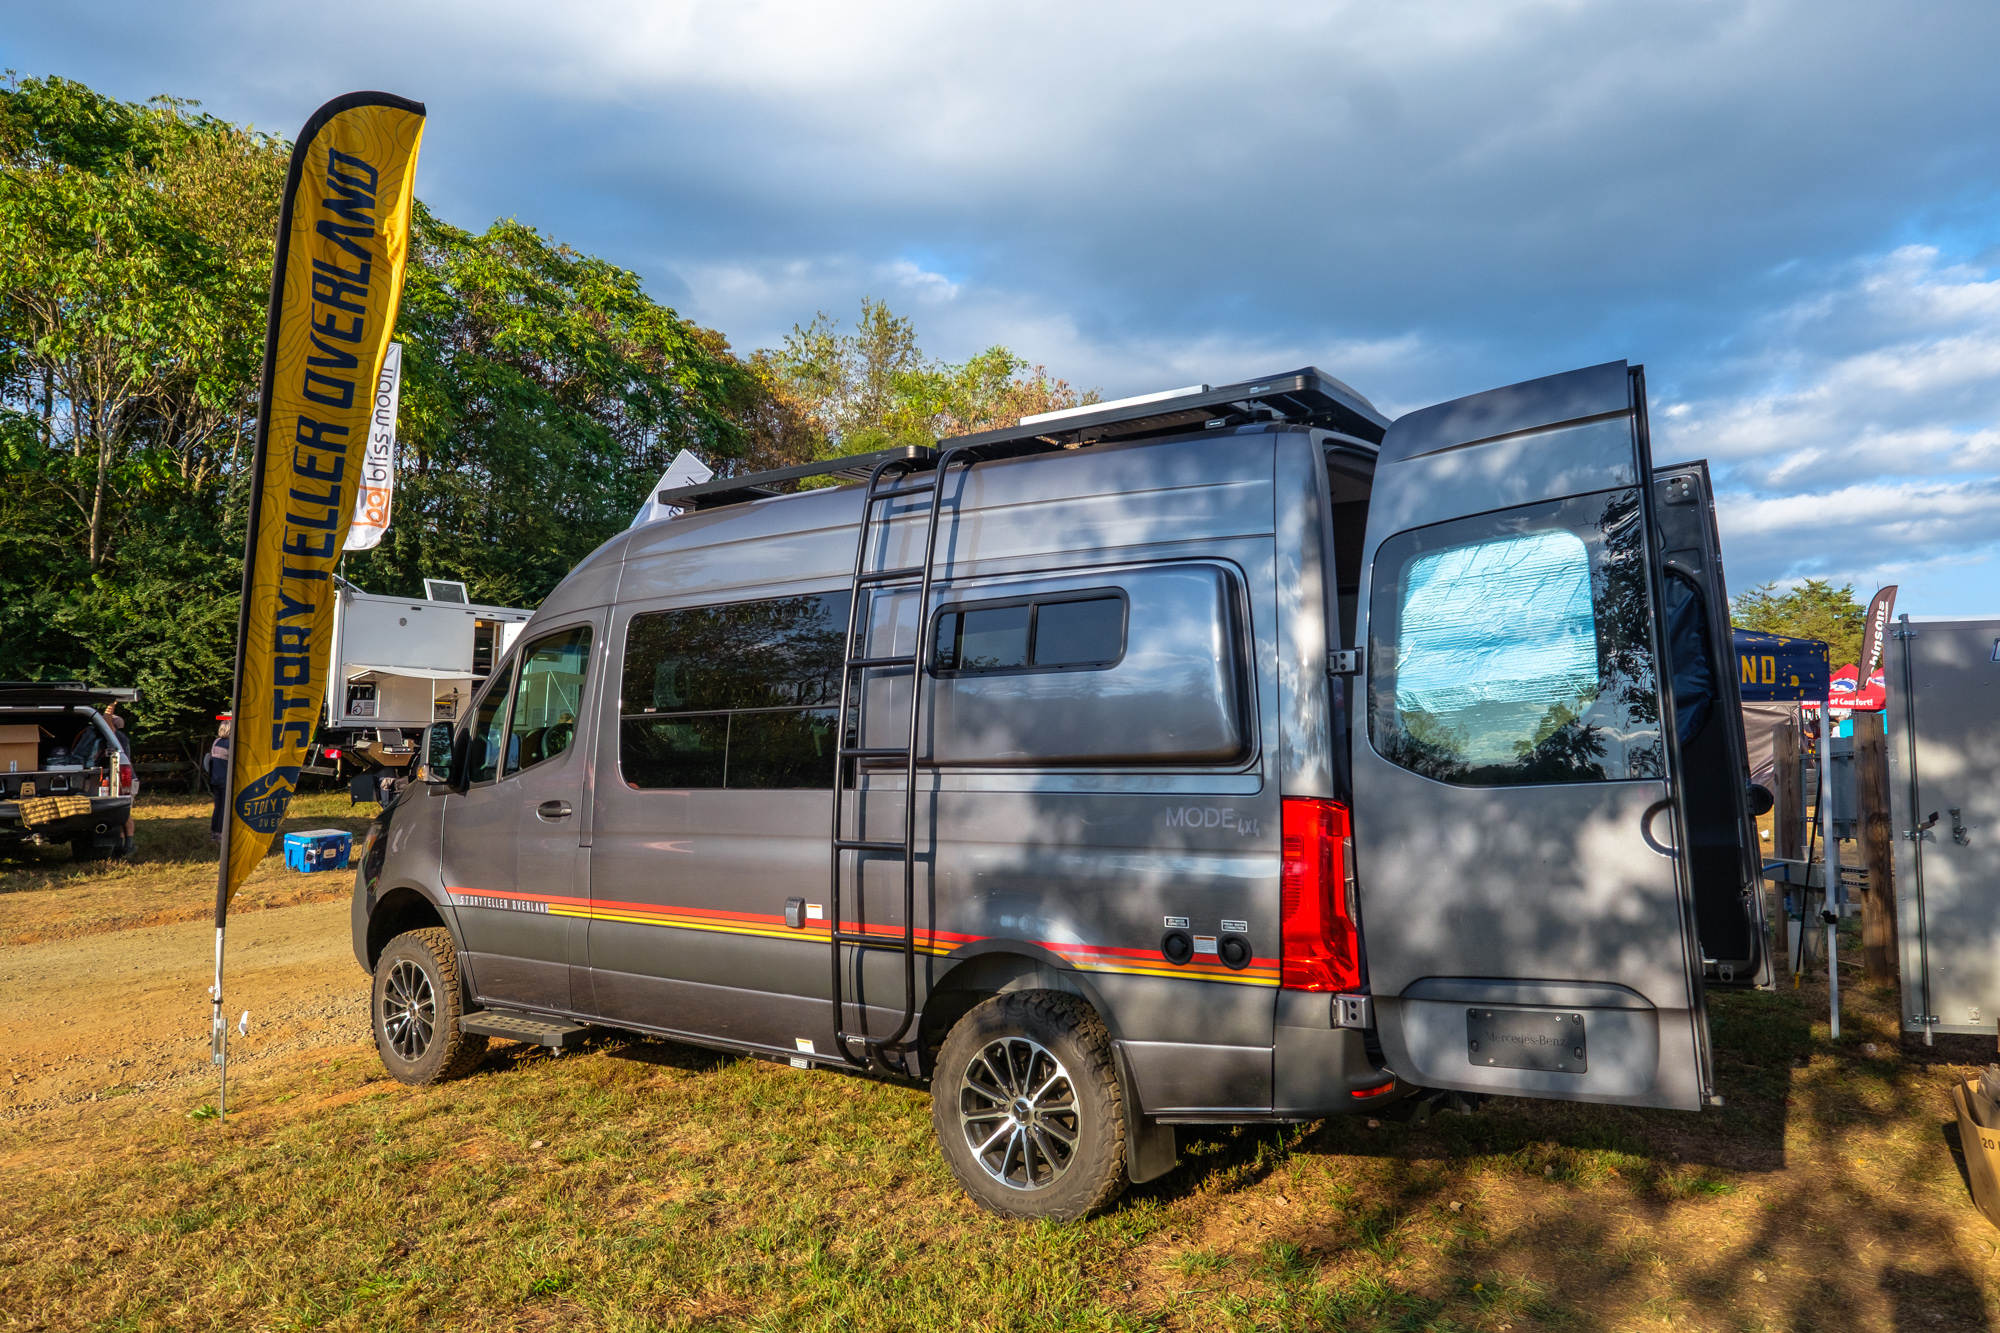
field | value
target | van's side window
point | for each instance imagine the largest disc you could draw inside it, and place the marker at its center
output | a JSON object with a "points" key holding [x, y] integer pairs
{"points": [[548, 698], [1075, 630], [1514, 647], [488, 725], [741, 695]]}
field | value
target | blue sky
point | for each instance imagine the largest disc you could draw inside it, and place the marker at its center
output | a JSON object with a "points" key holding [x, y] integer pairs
{"points": [[1790, 212]]}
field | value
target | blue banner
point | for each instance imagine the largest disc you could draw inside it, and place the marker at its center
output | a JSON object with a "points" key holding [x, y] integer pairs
{"points": [[1772, 668]]}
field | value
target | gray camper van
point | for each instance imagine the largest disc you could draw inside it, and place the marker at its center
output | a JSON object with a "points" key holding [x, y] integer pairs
{"points": [[1233, 756]]}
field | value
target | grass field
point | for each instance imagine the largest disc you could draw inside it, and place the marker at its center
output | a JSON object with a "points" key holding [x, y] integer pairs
{"points": [[642, 1185], [169, 877]]}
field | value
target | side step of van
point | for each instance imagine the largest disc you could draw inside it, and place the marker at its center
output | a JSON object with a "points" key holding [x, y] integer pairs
{"points": [[557, 1033]]}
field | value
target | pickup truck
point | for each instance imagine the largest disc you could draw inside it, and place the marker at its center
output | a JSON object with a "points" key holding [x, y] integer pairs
{"points": [[63, 777]]}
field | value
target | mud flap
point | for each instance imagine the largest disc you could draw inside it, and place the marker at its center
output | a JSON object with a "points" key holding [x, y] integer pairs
{"points": [[1150, 1147]]}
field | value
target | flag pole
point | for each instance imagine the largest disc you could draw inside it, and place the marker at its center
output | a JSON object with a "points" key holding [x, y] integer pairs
{"points": [[1829, 863], [342, 245]]}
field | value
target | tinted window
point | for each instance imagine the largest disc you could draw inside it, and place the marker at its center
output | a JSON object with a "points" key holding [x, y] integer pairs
{"points": [[783, 652], [483, 764], [548, 698], [682, 751], [717, 696], [781, 749], [989, 639], [1515, 647], [1072, 633], [1024, 635]]}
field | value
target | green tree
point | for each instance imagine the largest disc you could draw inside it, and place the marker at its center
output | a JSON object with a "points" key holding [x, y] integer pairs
{"points": [[873, 387], [543, 394], [1814, 609], [135, 246]]}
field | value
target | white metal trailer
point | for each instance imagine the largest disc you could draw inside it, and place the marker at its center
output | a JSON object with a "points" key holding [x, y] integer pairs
{"points": [[401, 663], [1944, 794]]}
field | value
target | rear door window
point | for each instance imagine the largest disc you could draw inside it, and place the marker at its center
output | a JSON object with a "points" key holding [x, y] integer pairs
{"points": [[1515, 647]]}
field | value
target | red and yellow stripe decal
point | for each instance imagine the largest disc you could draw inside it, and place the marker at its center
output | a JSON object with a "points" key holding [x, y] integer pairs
{"points": [[938, 943], [1150, 963]]}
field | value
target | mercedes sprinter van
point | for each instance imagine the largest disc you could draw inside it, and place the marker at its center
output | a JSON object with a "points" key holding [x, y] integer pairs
{"points": [[1235, 755]]}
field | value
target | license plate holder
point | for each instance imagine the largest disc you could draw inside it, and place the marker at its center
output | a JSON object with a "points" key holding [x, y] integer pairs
{"points": [[1547, 1040]]}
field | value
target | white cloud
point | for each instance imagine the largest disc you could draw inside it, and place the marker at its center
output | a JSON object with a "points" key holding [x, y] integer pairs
{"points": [[1861, 434], [1427, 199]]}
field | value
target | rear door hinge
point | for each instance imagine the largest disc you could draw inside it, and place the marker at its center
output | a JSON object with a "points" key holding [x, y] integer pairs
{"points": [[1344, 662]]}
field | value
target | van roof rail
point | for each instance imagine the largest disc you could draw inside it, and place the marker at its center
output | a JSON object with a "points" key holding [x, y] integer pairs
{"points": [[1306, 397]]}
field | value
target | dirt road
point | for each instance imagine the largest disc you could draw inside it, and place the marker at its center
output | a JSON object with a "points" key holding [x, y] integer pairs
{"points": [[125, 1012]]}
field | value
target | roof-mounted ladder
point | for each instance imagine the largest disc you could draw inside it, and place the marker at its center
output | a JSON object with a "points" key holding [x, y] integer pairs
{"points": [[892, 478], [889, 480]]}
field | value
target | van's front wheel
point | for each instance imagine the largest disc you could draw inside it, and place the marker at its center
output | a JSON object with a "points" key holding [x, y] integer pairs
{"points": [[416, 1006], [1024, 1098]]}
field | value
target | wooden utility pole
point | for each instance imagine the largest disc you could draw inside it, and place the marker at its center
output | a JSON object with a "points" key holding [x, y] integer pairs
{"points": [[1871, 800]]}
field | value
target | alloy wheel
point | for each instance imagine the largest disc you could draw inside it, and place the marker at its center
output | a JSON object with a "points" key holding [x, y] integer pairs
{"points": [[1018, 1110], [409, 1010]]}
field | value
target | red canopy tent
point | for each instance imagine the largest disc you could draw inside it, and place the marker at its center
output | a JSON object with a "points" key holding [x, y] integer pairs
{"points": [[1842, 692]]}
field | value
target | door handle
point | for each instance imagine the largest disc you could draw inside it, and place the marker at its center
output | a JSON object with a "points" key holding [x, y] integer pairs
{"points": [[1646, 828], [552, 810]]}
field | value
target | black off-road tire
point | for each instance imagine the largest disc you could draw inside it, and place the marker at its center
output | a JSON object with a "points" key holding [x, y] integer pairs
{"points": [[1021, 1043], [415, 1008]]}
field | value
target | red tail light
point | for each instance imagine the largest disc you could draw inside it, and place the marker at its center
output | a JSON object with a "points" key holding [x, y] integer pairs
{"points": [[1321, 949], [125, 778]]}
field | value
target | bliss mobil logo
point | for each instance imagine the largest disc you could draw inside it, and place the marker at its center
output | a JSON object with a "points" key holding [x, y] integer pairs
{"points": [[262, 804]]}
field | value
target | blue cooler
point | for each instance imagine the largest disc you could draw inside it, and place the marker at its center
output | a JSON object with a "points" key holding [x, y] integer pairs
{"points": [[318, 849]]}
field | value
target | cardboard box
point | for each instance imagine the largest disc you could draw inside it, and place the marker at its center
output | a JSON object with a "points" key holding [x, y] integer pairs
{"points": [[1979, 1135], [20, 748]]}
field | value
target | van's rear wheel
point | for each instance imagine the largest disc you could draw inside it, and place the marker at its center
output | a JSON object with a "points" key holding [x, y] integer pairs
{"points": [[1024, 1098], [416, 1007]]}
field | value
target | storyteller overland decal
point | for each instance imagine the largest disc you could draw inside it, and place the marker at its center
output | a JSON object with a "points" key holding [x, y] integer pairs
{"points": [[343, 243], [261, 805]]}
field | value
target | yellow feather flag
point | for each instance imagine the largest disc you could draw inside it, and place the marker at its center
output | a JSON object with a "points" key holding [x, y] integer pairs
{"points": [[343, 244]]}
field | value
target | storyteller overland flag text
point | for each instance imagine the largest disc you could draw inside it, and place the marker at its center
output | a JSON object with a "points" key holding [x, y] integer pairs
{"points": [[343, 242]]}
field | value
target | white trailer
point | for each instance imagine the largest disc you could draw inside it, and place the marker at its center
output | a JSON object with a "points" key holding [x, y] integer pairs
{"points": [[1944, 799], [401, 663]]}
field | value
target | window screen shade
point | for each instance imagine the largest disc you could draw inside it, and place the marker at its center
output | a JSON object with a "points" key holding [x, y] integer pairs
{"points": [[1505, 622], [1516, 647]]}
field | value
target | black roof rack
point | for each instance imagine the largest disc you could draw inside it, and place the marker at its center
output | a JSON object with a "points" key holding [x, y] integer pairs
{"points": [[758, 485], [1307, 397]]}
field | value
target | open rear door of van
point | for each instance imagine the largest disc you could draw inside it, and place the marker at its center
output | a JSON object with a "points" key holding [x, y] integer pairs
{"points": [[1527, 916], [1724, 858]]}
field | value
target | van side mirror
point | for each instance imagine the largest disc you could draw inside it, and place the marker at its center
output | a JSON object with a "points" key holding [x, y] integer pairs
{"points": [[1761, 800], [435, 767]]}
